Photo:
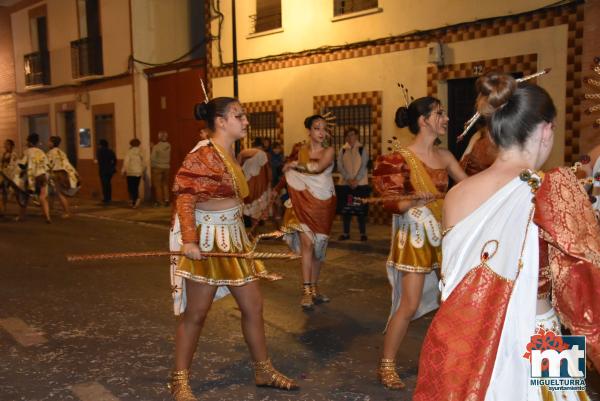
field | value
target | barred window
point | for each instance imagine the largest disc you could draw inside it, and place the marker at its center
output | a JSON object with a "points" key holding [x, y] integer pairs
{"points": [[358, 117], [268, 15], [341, 7], [263, 125]]}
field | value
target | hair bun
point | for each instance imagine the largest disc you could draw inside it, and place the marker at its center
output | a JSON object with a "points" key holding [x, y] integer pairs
{"points": [[201, 111], [495, 89], [401, 117]]}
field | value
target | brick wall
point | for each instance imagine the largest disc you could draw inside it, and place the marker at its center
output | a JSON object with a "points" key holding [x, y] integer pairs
{"points": [[8, 107], [590, 136]]}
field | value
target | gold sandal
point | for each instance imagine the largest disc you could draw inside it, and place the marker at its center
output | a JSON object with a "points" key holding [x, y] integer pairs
{"points": [[306, 302], [265, 375], [388, 376], [317, 297], [180, 386]]}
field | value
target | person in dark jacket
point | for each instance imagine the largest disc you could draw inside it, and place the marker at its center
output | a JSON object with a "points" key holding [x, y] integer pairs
{"points": [[107, 166]]}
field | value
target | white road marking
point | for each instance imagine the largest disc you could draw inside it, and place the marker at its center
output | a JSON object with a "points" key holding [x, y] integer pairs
{"points": [[92, 391], [22, 332]]}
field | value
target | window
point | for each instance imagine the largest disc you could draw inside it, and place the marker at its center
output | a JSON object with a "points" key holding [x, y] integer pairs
{"points": [[263, 125], [37, 63], [341, 7], [358, 116], [86, 52], [268, 15]]}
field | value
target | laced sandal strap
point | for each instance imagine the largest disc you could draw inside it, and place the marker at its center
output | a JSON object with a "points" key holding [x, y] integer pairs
{"points": [[389, 376], [266, 375], [180, 386]]}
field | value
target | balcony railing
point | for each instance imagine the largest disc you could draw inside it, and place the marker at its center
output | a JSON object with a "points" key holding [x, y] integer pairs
{"points": [[86, 57], [37, 68]]}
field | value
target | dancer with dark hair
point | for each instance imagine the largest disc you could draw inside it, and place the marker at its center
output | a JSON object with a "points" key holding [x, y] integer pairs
{"points": [[514, 237], [422, 168], [311, 207], [32, 179], [64, 180], [209, 189], [8, 168]]}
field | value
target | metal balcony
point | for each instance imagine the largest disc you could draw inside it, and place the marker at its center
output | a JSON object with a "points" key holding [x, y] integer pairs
{"points": [[37, 68], [86, 57]]}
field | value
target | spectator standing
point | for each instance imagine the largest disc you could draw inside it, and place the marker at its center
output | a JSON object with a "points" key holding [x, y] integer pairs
{"points": [[107, 166], [160, 162], [352, 164], [133, 168]]}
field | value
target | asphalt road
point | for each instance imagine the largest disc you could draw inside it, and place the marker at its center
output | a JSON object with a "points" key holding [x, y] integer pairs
{"points": [[103, 331]]}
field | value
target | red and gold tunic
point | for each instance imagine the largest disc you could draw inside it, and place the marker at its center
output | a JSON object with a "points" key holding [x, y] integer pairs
{"points": [[416, 233], [481, 155]]}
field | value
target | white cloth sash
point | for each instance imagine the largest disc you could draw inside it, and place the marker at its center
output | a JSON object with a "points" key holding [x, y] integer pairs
{"points": [[502, 218], [319, 185]]}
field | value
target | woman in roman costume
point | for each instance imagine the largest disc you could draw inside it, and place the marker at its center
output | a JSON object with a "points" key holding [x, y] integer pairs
{"points": [[32, 177], [209, 188], [422, 168], [64, 179], [257, 170], [513, 238], [310, 208]]}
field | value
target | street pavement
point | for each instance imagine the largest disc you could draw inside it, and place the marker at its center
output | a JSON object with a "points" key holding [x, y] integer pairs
{"points": [[103, 331]]}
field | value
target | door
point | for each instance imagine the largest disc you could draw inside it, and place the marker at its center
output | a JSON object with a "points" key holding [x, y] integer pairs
{"points": [[70, 135]]}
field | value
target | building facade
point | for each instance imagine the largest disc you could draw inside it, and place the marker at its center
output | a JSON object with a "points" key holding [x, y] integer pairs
{"points": [[79, 71], [350, 57]]}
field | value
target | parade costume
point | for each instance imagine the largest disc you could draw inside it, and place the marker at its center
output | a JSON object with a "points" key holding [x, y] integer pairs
{"points": [[311, 206], [480, 154], [33, 174], [210, 173], [258, 175], [416, 233], [8, 168], [498, 261], [63, 176]]}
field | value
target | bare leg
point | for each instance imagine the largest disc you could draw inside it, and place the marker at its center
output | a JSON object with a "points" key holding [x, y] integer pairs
{"points": [[199, 300], [307, 251], [250, 301], [44, 202], [412, 289], [64, 203]]}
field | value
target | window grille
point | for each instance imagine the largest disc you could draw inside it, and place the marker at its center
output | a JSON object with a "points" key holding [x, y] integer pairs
{"points": [[263, 125], [358, 117], [341, 7], [268, 15]]}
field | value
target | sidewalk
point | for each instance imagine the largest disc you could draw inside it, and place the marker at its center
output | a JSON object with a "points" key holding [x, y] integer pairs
{"points": [[379, 235]]}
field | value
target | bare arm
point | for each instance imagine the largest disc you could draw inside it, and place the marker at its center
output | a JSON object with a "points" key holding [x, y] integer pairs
{"points": [[454, 169]]}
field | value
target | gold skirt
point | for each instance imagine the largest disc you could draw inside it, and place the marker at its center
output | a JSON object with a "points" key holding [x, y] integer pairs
{"points": [[221, 231], [411, 249]]}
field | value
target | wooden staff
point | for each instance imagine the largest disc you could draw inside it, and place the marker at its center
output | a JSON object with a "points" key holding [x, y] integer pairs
{"points": [[399, 198], [252, 254], [124, 255]]}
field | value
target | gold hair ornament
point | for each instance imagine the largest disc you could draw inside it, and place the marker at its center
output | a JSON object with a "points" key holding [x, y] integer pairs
{"points": [[594, 97]]}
